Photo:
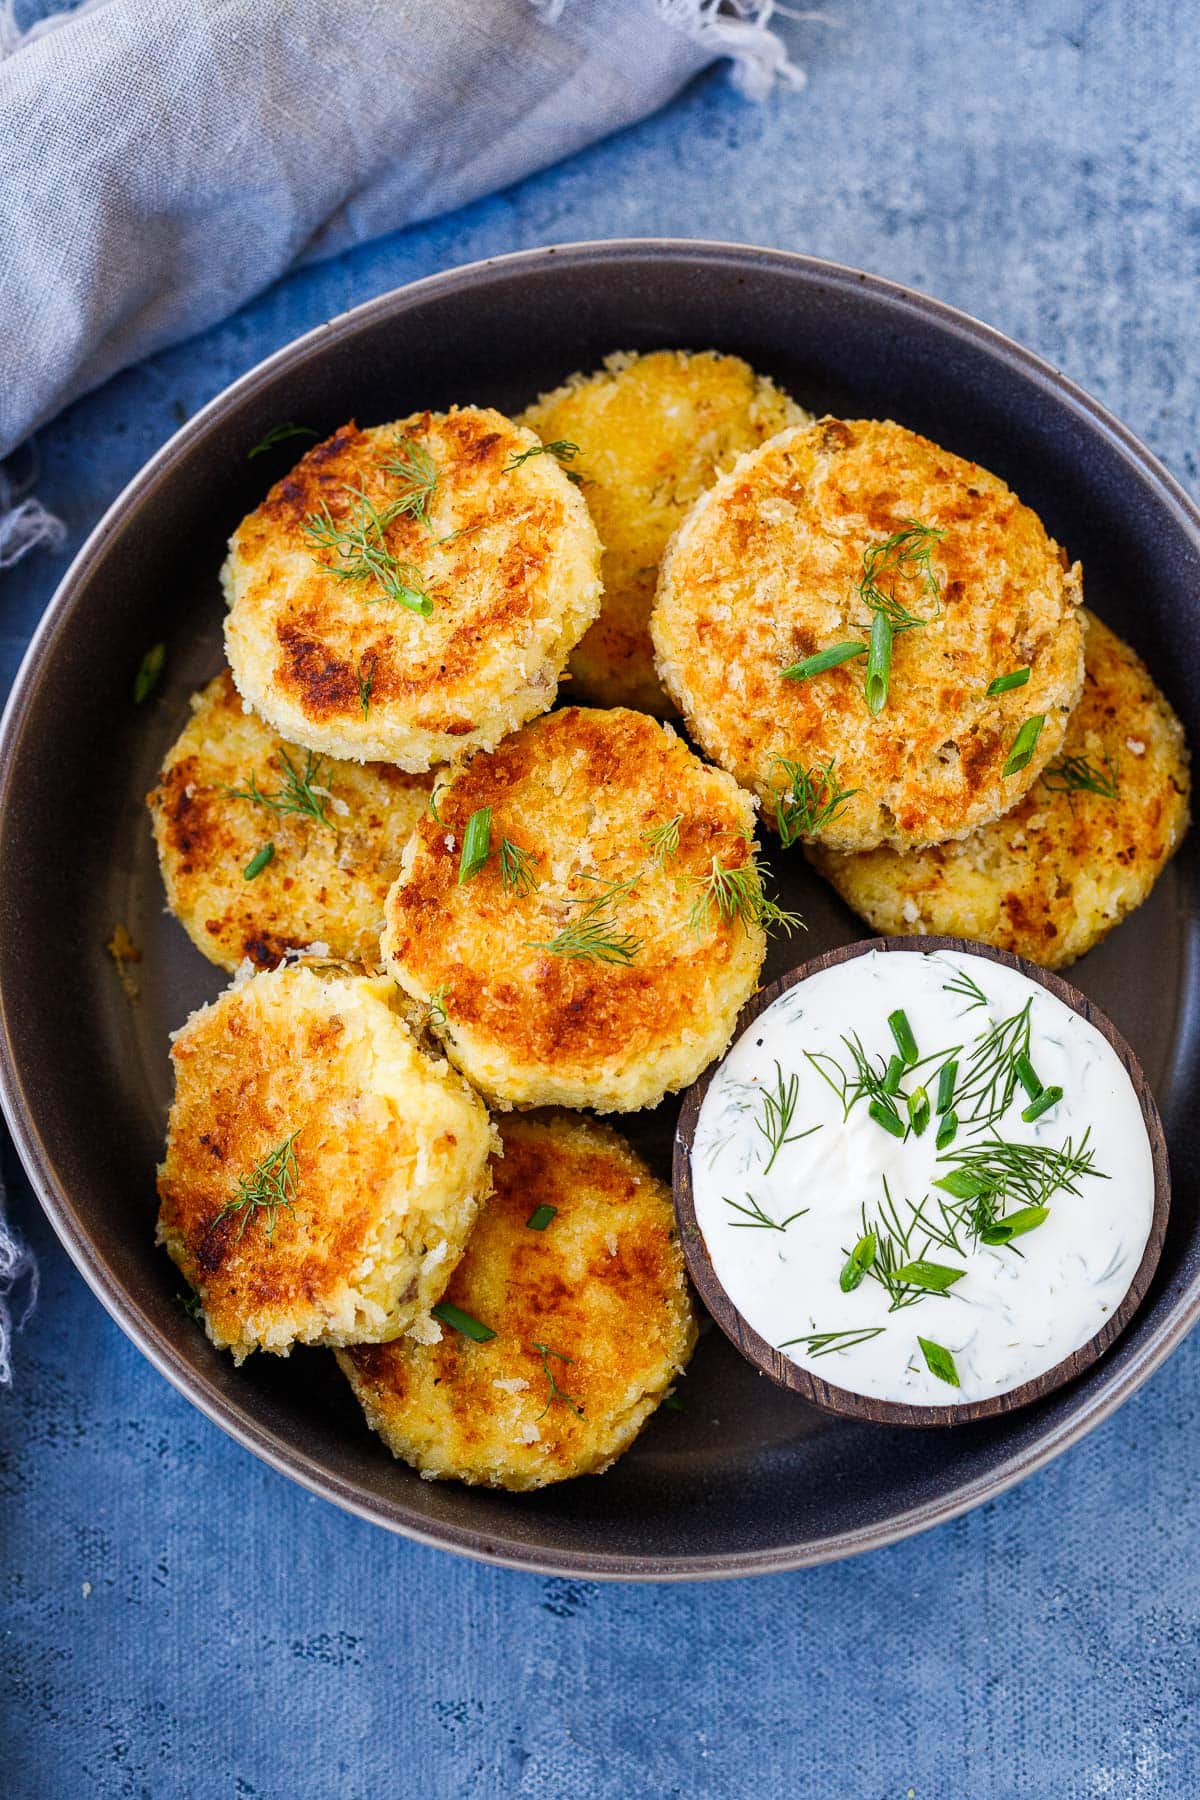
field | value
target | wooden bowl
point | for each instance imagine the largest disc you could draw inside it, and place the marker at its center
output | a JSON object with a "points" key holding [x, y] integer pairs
{"points": [[770, 1361]]}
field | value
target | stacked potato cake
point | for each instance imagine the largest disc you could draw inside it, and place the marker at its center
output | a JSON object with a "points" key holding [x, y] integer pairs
{"points": [[442, 896]]}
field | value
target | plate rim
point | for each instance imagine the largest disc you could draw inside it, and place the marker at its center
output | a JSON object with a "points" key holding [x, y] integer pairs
{"points": [[1104, 1396]]}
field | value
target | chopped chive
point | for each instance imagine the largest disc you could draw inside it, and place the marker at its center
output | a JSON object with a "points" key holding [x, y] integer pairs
{"points": [[540, 1217], [1004, 684], [1024, 745], [947, 1076], [824, 659], [906, 1043], [149, 670], [963, 1185], [1028, 1218], [934, 1277], [891, 1079], [947, 1129], [1027, 1075], [887, 1117], [879, 662], [258, 862], [477, 844], [918, 1110], [462, 1321], [857, 1263], [939, 1361], [1045, 1100]]}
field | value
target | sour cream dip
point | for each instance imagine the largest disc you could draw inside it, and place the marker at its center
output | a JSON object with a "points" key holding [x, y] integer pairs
{"points": [[923, 1177]]}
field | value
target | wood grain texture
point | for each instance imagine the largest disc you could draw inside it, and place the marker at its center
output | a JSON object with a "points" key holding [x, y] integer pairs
{"points": [[865, 1407]]}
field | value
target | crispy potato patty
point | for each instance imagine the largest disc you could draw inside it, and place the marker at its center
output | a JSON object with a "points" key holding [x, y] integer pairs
{"points": [[1053, 876], [770, 567], [653, 432], [321, 1172], [436, 512], [591, 1314], [580, 965], [336, 831]]}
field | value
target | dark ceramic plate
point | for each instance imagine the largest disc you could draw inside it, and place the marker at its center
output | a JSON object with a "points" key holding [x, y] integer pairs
{"points": [[747, 1477]]}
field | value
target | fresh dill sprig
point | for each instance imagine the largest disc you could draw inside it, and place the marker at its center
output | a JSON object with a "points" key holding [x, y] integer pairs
{"points": [[359, 543], [297, 793], [368, 664], [1029, 1173], [875, 1081], [435, 1006], [905, 556], [1076, 775], [755, 1219], [738, 894], [591, 940], [778, 1111], [901, 1263], [279, 434], [417, 474], [808, 800], [562, 449], [965, 985], [663, 839], [270, 1187], [826, 1343], [991, 1073], [555, 1392], [518, 869]]}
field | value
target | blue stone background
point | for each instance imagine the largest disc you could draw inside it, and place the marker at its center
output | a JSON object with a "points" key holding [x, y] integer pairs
{"points": [[178, 1620]]}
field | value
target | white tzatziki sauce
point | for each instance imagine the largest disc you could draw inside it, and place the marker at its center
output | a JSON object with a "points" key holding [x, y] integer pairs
{"points": [[845, 1252]]}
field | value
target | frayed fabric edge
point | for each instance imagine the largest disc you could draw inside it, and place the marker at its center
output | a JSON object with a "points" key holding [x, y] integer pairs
{"points": [[25, 524], [738, 29]]}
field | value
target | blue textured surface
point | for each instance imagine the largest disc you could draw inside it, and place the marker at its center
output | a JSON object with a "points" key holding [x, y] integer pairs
{"points": [[179, 1620]]}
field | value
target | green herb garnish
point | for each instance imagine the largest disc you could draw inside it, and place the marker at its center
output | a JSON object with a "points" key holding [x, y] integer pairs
{"points": [[738, 894], [258, 862], [594, 936], [540, 1217], [435, 1006], [555, 1392], [367, 667], [886, 1115], [809, 800], [270, 1187], [1076, 775], [939, 1361], [822, 660], [476, 845], [858, 1263], [1042, 1103], [358, 542], [778, 1110], [1014, 1224], [416, 472], [463, 1322], [918, 1110], [879, 662], [825, 1343], [278, 434], [518, 869], [754, 1218], [931, 1277], [947, 1129], [902, 1031], [297, 793], [663, 839], [1024, 745], [149, 670], [561, 449], [1004, 684], [947, 1076], [968, 988]]}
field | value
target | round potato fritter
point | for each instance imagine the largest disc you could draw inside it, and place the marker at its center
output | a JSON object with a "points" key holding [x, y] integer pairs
{"points": [[336, 830], [1083, 848], [437, 512], [322, 1172], [652, 433], [772, 566], [592, 1319], [581, 966]]}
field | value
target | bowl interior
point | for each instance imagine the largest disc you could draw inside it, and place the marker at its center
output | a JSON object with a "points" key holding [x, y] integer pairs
{"points": [[747, 1476]]}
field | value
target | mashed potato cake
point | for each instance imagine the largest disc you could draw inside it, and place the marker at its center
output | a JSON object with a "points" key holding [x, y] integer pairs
{"points": [[601, 954], [1083, 848], [411, 592], [229, 788], [773, 565], [322, 1173], [591, 1316], [652, 433]]}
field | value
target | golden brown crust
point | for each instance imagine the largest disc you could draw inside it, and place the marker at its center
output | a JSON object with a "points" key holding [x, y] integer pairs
{"points": [[390, 1148], [764, 572], [579, 790], [602, 1288], [508, 555], [653, 431], [1053, 876], [325, 884]]}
